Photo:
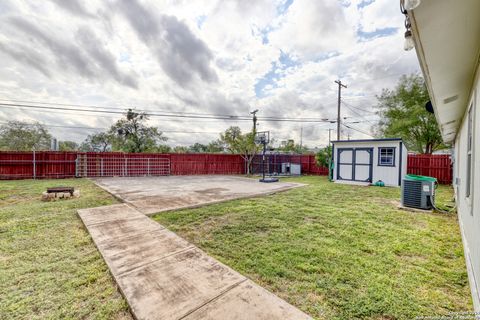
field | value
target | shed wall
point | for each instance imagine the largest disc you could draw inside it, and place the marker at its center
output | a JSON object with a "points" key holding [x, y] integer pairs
{"points": [[388, 174]]}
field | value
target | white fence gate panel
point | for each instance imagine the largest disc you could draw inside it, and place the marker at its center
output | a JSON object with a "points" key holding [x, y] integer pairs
{"points": [[122, 167]]}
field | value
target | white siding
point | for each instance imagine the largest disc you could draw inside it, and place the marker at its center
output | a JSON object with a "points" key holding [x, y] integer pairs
{"points": [[469, 208], [388, 174]]}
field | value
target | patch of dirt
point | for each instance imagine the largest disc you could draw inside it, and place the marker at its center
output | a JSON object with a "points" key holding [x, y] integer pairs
{"points": [[411, 258], [163, 202], [211, 191], [213, 223], [172, 202], [129, 192], [311, 220], [421, 224], [392, 202]]}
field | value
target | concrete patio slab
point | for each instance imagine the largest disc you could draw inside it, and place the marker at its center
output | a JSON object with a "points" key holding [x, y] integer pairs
{"points": [[162, 276], [151, 195]]}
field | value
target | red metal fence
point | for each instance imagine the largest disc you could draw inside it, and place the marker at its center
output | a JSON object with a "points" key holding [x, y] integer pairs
{"points": [[432, 165], [48, 164], [205, 163], [27, 165]]}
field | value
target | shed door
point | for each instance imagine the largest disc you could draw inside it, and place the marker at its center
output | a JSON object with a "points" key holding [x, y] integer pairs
{"points": [[355, 164], [362, 170]]}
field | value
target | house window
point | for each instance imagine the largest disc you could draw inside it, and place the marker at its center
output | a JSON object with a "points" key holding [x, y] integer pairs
{"points": [[386, 157], [468, 180]]}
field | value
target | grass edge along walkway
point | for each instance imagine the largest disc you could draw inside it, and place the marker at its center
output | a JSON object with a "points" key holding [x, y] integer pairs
{"points": [[338, 251]]}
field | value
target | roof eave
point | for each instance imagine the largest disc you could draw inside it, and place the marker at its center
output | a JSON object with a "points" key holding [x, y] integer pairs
{"points": [[367, 140], [426, 74]]}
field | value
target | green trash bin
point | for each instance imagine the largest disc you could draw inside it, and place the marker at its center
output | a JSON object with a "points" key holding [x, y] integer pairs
{"points": [[420, 178]]}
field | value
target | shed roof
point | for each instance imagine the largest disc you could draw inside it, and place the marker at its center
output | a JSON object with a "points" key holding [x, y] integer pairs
{"points": [[368, 140]]}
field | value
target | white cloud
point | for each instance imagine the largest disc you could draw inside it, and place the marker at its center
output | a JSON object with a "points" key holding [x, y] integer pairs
{"points": [[200, 56], [310, 29]]}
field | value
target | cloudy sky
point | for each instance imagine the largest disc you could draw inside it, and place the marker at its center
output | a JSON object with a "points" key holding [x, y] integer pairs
{"points": [[218, 57]]}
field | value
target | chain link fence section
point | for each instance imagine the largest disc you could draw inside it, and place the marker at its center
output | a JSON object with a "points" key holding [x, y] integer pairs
{"points": [[121, 167]]}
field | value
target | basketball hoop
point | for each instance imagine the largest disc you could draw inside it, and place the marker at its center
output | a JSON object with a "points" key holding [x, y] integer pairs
{"points": [[262, 137]]}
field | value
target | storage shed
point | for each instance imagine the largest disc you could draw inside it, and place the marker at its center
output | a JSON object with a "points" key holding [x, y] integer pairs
{"points": [[369, 161]]}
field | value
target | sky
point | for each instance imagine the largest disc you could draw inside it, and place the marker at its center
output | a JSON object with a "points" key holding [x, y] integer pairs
{"points": [[218, 57]]}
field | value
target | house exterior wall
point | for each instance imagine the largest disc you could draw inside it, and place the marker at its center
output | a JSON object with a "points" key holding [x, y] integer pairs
{"points": [[469, 207], [388, 174]]}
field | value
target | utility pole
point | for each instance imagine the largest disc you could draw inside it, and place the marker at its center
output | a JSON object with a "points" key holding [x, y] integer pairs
{"points": [[330, 156], [301, 136], [254, 121], [340, 85]]}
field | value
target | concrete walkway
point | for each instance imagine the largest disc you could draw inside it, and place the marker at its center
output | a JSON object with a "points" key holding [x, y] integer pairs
{"points": [[162, 276]]}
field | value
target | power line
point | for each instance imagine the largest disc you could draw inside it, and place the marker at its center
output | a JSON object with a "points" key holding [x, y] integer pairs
{"points": [[119, 111], [352, 110], [98, 128], [110, 108], [333, 121], [358, 108], [359, 97], [358, 130], [174, 120], [118, 116], [115, 112], [217, 117]]}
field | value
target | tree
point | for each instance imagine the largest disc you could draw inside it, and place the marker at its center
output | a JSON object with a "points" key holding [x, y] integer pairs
{"points": [[291, 146], [163, 148], [180, 149], [324, 156], [243, 144], [287, 146], [22, 136], [198, 148], [97, 142], [131, 134], [67, 146], [215, 147], [402, 114]]}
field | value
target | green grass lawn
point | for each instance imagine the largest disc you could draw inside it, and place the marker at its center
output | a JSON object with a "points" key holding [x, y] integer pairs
{"points": [[49, 266], [338, 251]]}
